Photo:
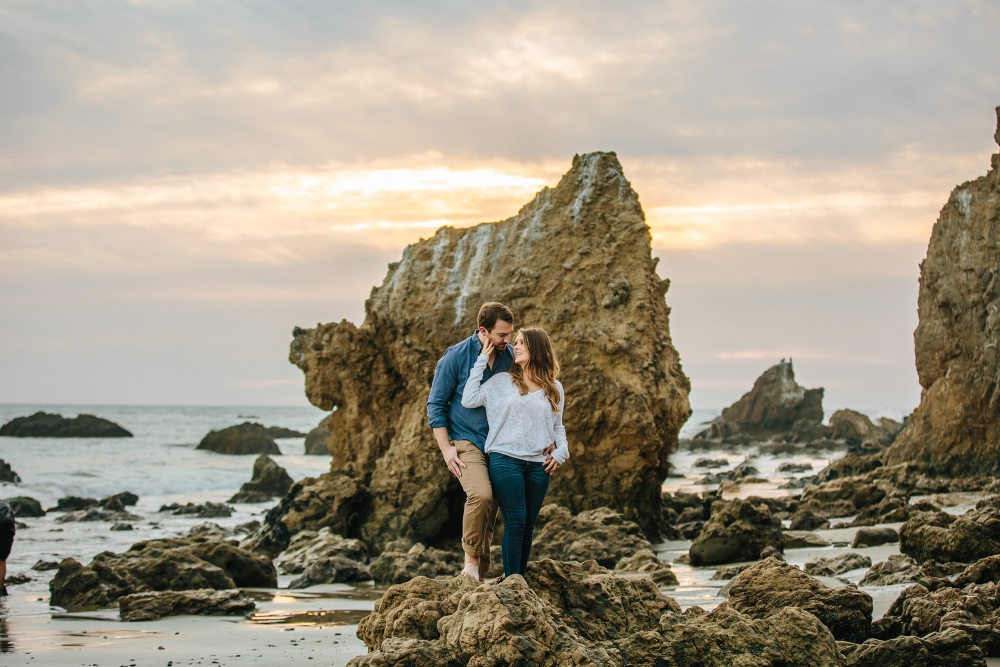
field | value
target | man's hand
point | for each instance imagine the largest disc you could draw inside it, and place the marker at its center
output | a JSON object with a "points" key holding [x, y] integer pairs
{"points": [[449, 452]]}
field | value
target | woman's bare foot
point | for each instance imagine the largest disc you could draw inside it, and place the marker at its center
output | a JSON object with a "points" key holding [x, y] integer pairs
{"points": [[471, 568]]}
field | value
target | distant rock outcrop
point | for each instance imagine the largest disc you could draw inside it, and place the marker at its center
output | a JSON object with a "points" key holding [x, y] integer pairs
{"points": [[577, 261], [7, 474], [245, 438], [269, 480], [956, 427], [23, 506], [45, 425], [316, 441]]}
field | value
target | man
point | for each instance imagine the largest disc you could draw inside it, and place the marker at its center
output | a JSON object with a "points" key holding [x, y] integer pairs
{"points": [[7, 528], [461, 432]]}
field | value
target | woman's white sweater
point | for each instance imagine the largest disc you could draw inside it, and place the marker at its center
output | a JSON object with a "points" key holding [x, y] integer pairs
{"points": [[520, 426]]}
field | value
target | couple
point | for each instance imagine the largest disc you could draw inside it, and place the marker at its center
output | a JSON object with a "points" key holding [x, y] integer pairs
{"points": [[496, 412]]}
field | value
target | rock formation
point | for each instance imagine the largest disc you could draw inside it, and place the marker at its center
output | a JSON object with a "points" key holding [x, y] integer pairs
{"points": [[860, 432], [203, 602], [278, 432], [956, 427], [738, 530], [45, 425], [7, 474], [602, 535], [575, 260], [245, 438], [268, 480], [831, 567], [23, 506], [316, 440], [209, 510], [776, 405], [944, 538]]}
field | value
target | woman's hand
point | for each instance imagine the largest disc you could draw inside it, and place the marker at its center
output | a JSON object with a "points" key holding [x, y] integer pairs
{"points": [[488, 348], [550, 465]]}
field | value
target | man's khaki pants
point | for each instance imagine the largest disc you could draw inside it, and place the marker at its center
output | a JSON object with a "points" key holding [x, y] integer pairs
{"points": [[480, 515]]}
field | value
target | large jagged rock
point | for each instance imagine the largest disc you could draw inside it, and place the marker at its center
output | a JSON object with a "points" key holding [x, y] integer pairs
{"points": [[602, 535], [570, 614], [575, 260], [245, 438], [176, 564], [45, 425], [957, 424], [268, 480], [316, 440], [941, 537], [771, 585], [775, 405], [738, 530], [204, 602]]}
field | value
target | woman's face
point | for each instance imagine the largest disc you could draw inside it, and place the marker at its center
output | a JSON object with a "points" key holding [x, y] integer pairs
{"points": [[521, 355]]}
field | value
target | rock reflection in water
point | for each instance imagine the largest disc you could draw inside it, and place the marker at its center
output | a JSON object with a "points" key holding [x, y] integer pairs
{"points": [[6, 643]]}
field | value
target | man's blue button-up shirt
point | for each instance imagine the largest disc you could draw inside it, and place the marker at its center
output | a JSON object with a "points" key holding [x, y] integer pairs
{"points": [[444, 405]]}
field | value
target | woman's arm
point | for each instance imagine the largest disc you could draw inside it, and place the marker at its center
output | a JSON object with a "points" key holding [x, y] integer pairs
{"points": [[561, 452], [474, 396]]}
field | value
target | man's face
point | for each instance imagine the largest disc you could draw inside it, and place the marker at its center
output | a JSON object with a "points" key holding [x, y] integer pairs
{"points": [[500, 335]]}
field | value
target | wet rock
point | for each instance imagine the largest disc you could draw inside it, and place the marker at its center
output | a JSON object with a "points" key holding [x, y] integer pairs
{"points": [[95, 514], [45, 425], [278, 432], [711, 463], [730, 571], [209, 510], [857, 429], [776, 404], [891, 510], [269, 479], [851, 465], [204, 602], [250, 497], [16, 579], [982, 571], [245, 438], [401, 562], [944, 538], [831, 567], [771, 585], [246, 528], [795, 467], [956, 427], [690, 530], [332, 570], [316, 440], [119, 501], [22, 506], [309, 546], [940, 649], [122, 526], [210, 531], [645, 562], [45, 565], [872, 537], [601, 300], [900, 569], [74, 504], [7, 475], [247, 570], [803, 539], [806, 520], [332, 500], [602, 535], [841, 497], [738, 530]]}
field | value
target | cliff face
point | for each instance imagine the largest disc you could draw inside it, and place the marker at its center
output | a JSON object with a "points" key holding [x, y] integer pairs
{"points": [[576, 260], [956, 427]]}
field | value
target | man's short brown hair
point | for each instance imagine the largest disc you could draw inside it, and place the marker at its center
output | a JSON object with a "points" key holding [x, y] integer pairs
{"points": [[493, 311]]}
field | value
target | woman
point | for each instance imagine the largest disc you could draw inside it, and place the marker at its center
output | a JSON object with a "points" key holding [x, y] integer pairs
{"points": [[524, 408]]}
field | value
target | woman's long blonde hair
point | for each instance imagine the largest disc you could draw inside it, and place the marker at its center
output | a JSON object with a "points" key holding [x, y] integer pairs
{"points": [[542, 365]]}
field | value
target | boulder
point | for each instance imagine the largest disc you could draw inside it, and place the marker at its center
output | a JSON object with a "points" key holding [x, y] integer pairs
{"points": [[119, 501], [840, 497], [940, 649], [245, 438], [269, 479], [646, 563], [806, 520], [730, 571], [858, 430], [316, 440], [576, 614], [204, 602], [309, 546], [603, 535], [945, 538], [209, 510], [850, 465], [771, 585], [577, 261], [803, 539], [74, 504], [7, 475], [45, 425], [956, 427], [175, 564], [982, 571], [872, 537], [22, 506], [795, 467], [776, 404], [401, 562], [831, 567], [738, 530], [333, 500], [711, 463], [332, 570], [900, 569], [122, 526], [16, 579], [95, 514]]}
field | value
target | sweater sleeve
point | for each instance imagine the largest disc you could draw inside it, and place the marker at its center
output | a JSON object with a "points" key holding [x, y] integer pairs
{"points": [[561, 452], [474, 396]]}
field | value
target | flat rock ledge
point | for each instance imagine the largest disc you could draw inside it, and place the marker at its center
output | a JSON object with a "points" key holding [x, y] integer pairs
{"points": [[202, 602]]}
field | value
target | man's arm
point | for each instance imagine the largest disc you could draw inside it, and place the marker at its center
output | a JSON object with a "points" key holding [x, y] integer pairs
{"points": [[442, 389]]}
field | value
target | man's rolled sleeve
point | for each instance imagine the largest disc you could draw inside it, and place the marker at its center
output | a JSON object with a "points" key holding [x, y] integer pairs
{"points": [[442, 389]]}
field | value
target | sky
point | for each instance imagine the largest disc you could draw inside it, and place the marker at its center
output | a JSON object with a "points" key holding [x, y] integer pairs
{"points": [[182, 183]]}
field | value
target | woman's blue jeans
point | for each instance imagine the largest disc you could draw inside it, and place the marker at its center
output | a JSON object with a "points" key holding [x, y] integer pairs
{"points": [[519, 488]]}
